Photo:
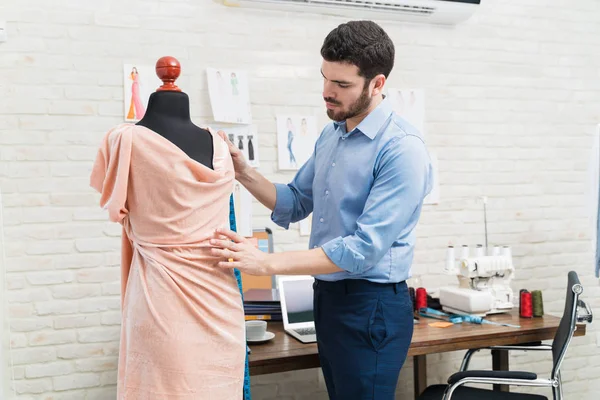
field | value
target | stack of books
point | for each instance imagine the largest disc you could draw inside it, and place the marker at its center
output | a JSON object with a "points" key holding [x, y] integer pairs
{"points": [[262, 304]]}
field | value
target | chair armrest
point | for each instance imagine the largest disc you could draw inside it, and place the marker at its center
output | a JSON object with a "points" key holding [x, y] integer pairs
{"points": [[512, 375], [525, 346], [497, 381], [541, 347]]}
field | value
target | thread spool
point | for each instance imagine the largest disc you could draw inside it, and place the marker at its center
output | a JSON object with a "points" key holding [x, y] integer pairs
{"points": [[421, 298], [538, 303], [496, 251], [411, 292], [450, 259], [520, 297], [525, 305], [479, 251], [506, 252], [464, 251]]}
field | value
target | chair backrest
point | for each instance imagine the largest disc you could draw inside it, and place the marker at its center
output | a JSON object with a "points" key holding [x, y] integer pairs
{"points": [[567, 324]]}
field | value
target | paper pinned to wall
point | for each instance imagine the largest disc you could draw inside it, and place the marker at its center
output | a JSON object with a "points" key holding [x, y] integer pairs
{"points": [[434, 196], [139, 82], [244, 138], [410, 105], [242, 201], [296, 138], [229, 95]]}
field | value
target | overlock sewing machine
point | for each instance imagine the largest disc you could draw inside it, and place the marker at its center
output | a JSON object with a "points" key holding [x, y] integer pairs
{"points": [[483, 280], [483, 283]]}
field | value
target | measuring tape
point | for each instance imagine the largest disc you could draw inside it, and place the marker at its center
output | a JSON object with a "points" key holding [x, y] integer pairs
{"points": [[238, 277], [459, 319]]}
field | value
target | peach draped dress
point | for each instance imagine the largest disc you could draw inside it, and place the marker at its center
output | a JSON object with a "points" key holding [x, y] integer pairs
{"points": [[182, 334]]}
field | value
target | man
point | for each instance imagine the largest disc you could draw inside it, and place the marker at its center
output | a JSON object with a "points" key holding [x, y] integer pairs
{"points": [[365, 185]]}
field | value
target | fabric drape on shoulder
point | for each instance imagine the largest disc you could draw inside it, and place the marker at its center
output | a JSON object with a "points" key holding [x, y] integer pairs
{"points": [[110, 177], [110, 174]]}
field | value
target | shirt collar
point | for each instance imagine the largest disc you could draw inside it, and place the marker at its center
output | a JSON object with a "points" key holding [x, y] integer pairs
{"points": [[373, 122]]}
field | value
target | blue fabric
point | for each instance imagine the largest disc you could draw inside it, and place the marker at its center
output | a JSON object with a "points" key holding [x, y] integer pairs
{"points": [[364, 330], [238, 277], [365, 189]]}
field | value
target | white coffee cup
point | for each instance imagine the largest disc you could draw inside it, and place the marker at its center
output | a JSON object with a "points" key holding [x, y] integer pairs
{"points": [[256, 330]]}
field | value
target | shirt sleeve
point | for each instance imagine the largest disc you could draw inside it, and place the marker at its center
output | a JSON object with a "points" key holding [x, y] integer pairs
{"points": [[295, 200], [403, 178]]}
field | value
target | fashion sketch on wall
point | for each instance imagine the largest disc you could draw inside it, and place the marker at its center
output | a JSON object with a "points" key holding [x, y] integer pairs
{"points": [[229, 95], [296, 138], [245, 138], [410, 105], [139, 81], [242, 202]]}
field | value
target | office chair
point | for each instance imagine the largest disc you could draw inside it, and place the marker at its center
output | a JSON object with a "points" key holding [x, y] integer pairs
{"points": [[568, 323]]}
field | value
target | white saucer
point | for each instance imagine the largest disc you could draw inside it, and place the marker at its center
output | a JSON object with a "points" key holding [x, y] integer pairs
{"points": [[268, 336]]}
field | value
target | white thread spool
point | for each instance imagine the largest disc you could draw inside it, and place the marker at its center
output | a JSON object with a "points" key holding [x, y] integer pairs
{"points": [[479, 251], [496, 251], [506, 252], [450, 260], [464, 251]]}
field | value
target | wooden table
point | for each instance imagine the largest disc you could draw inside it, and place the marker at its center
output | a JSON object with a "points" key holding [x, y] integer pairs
{"points": [[284, 353]]}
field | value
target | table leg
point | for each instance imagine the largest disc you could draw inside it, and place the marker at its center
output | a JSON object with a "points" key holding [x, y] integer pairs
{"points": [[420, 374], [500, 363]]}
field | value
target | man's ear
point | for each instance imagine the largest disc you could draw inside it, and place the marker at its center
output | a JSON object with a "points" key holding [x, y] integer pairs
{"points": [[378, 82]]}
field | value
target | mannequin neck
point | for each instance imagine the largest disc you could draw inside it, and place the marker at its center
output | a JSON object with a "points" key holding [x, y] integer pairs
{"points": [[171, 105]]}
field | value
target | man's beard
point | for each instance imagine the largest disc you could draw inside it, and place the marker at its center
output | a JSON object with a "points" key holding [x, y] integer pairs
{"points": [[358, 107]]}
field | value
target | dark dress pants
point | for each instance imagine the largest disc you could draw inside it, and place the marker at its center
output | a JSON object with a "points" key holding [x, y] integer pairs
{"points": [[364, 330]]}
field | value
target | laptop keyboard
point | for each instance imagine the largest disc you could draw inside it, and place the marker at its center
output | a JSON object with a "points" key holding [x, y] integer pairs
{"points": [[305, 331]]}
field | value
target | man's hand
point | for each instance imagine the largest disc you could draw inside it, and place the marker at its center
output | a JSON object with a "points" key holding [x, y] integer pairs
{"points": [[240, 253], [239, 161], [258, 185]]}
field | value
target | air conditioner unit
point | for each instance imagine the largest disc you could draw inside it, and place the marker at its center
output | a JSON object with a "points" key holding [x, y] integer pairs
{"points": [[446, 12]]}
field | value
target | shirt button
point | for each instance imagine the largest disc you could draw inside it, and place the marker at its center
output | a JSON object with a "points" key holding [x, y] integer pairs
{"points": [[321, 220], [333, 164], [327, 192], [315, 246]]}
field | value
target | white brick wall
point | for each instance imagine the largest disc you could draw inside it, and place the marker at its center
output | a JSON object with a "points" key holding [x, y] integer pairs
{"points": [[513, 97]]}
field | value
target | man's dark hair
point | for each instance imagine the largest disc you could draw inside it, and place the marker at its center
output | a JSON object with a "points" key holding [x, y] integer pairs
{"points": [[361, 43]]}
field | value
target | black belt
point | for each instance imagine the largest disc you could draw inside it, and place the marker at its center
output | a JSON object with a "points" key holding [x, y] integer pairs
{"points": [[357, 286]]}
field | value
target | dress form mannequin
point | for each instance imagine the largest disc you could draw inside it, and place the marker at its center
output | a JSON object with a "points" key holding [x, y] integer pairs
{"points": [[158, 180], [168, 114]]}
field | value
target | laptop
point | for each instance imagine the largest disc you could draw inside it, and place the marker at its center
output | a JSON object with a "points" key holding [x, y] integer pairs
{"points": [[296, 297]]}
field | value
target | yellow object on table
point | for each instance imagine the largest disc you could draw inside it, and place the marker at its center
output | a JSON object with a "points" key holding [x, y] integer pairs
{"points": [[441, 324]]}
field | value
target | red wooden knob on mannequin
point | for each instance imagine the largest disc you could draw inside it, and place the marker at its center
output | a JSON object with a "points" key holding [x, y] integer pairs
{"points": [[168, 70]]}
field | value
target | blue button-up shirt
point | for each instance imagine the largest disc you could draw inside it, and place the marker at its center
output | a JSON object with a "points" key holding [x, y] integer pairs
{"points": [[365, 189]]}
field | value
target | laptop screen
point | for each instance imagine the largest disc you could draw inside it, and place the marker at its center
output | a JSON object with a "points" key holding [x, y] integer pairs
{"points": [[298, 300]]}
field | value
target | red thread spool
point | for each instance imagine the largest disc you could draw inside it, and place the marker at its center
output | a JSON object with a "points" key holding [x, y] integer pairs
{"points": [[421, 298], [526, 305]]}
